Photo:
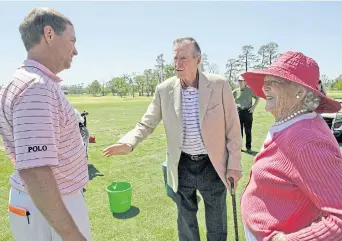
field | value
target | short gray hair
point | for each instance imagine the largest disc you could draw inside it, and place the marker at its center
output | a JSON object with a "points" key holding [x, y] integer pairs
{"points": [[193, 41], [32, 27], [311, 101]]}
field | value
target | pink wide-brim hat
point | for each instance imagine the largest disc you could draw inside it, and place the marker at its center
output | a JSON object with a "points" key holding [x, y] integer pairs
{"points": [[295, 67]]}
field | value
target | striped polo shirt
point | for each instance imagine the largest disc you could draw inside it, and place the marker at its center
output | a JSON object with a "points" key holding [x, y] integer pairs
{"points": [[192, 140], [39, 128]]}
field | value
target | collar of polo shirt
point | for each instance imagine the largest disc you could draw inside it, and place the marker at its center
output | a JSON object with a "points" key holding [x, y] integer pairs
{"points": [[35, 64]]}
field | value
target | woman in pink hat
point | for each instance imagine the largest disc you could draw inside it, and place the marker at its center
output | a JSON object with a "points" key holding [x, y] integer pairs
{"points": [[295, 187]]}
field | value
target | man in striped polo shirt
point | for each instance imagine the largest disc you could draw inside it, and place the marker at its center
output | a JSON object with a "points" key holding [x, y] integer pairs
{"points": [[40, 131], [203, 140]]}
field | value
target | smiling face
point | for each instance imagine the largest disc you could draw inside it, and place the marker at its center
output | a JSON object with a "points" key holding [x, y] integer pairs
{"points": [[185, 60], [65, 46], [283, 97], [62, 47]]}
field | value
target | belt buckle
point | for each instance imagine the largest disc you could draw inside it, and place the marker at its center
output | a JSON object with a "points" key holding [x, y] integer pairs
{"points": [[195, 158]]}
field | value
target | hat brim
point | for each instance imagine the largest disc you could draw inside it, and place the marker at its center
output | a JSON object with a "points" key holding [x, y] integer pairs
{"points": [[255, 81]]}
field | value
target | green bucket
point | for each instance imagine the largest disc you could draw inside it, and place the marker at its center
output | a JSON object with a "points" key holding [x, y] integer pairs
{"points": [[119, 194]]}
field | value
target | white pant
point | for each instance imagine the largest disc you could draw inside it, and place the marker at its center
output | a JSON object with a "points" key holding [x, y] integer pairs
{"points": [[39, 229], [249, 236]]}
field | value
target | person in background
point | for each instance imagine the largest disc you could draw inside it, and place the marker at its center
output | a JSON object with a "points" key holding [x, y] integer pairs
{"points": [[295, 187], [244, 100], [323, 91], [321, 87], [41, 135], [203, 140]]}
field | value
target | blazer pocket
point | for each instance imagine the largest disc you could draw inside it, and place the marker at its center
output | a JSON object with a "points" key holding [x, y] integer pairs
{"points": [[213, 109]]}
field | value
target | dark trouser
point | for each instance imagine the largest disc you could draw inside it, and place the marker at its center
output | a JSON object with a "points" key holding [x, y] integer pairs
{"points": [[200, 175], [246, 120]]}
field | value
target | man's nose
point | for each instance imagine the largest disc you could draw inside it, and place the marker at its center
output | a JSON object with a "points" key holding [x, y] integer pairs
{"points": [[178, 63], [75, 51]]}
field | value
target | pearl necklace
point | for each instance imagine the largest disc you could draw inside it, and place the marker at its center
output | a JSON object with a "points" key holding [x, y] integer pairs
{"points": [[290, 117]]}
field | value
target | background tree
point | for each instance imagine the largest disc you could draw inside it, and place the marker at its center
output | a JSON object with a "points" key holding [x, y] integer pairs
{"points": [[95, 88], [232, 68], [160, 67], [140, 83], [272, 52], [204, 66], [262, 57], [247, 58], [74, 89], [121, 86], [110, 86], [132, 83], [213, 68], [337, 83], [169, 71]]}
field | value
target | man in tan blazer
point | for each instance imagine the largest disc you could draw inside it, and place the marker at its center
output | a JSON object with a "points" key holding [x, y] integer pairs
{"points": [[203, 140]]}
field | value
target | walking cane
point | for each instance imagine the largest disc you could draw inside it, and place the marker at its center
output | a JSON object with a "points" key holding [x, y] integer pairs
{"points": [[232, 192]]}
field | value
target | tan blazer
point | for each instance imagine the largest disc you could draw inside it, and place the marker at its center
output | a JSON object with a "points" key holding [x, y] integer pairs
{"points": [[219, 123]]}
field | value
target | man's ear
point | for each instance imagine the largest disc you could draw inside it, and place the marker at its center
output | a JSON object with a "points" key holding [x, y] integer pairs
{"points": [[49, 34]]}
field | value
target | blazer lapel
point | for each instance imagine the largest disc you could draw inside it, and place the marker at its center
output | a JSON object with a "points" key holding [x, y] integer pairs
{"points": [[175, 96], [204, 95]]}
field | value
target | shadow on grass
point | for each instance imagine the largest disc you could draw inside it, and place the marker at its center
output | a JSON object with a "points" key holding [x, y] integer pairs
{"points": [[93, 172], [131, 213], [252, 153]]}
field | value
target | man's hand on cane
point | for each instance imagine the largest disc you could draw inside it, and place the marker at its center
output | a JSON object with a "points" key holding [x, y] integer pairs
{"points": [[235, 174]]}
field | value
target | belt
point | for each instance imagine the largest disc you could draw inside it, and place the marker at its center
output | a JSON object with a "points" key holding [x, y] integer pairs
{"points": [[195, 157], [243, 109]]}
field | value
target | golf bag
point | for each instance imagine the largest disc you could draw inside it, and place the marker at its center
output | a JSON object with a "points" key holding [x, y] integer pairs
{"points": [[82, 122]]}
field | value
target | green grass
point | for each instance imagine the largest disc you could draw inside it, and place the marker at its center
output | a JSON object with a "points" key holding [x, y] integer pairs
{"points": [[335, 94], [109, 118]]}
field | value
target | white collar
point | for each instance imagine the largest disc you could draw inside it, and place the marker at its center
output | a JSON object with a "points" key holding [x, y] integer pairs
{"points": [[286, 124]]}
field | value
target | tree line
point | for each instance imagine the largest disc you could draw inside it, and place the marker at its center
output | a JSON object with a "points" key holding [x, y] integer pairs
{"points": [[144, 84]]}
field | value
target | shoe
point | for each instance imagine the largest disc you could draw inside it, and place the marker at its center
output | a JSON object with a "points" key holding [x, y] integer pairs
{"points": [[249, 151]]}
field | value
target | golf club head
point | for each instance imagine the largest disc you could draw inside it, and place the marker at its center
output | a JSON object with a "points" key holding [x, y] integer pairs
{"points": [[84, 113]]}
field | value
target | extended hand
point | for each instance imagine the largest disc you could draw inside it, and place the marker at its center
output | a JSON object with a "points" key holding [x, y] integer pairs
{"points": [[117, 149], [235, 174]]}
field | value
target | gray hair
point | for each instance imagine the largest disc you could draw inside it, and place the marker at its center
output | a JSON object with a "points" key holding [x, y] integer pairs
{"points": [[32, 27], [311, 101], [193, 41]]}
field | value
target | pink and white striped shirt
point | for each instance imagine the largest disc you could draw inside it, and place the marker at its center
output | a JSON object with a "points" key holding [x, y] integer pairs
{"points": [[39, 127]]}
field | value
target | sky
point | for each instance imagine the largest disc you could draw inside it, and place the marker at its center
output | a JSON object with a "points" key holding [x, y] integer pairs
{"points": [[115, 38]]}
